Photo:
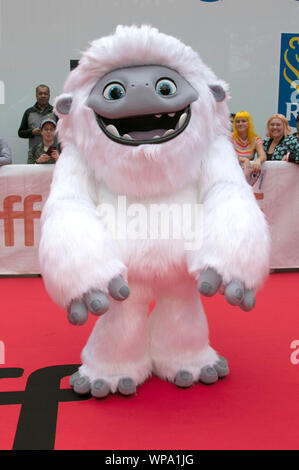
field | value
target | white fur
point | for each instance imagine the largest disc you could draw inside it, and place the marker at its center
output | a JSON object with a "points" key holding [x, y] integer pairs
{"points": [[198, 166]]}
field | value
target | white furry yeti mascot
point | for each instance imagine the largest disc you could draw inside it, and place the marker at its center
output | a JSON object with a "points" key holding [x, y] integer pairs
{"points": [[144, 119]]}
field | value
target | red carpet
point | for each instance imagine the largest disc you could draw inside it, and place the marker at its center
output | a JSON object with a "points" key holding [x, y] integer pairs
{"points": [[255, 407]]}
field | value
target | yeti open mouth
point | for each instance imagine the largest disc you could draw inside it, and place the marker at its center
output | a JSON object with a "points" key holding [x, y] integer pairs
{"points": [[147, 129]]}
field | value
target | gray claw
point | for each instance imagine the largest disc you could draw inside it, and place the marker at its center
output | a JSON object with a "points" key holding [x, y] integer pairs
{"points": [[73, 378], [81, 385], [100, 388], [118, 288], [77, 313], [221, 367], [97, 302], [184, 379], [126, 386], [248, 302], [208, 375], [234, 293], [209, 282]]}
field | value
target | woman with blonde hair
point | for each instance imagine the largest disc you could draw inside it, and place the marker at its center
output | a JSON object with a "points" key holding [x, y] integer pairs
{"points": [[246, 142], [279, 143]]}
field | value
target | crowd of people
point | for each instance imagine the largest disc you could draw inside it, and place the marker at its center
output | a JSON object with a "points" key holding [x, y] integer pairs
{"points": [[279, 143], [39, 123]]}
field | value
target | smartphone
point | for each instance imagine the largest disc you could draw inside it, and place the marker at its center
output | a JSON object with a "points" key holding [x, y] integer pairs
{"points": [[50, 149]]}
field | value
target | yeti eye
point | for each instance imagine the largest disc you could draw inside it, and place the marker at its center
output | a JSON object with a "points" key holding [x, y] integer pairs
{"points": [[165, 87], [114, 91]]}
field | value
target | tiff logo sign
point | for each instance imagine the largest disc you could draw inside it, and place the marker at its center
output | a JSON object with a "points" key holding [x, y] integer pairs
{"points": [[28, 214]]}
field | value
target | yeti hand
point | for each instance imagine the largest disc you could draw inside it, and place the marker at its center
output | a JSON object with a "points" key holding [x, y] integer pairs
{"points": [[96, 301], [235, 291]]}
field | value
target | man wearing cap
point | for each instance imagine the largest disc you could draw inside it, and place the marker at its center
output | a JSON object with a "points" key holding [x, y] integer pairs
{"points": [[48, 150], [33, 116]]}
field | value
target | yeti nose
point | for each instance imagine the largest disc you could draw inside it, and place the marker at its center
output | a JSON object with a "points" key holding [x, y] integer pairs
{"points": [[139, 85]]}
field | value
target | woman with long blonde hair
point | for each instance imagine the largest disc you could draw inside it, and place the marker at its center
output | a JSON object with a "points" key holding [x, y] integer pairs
{"points": [[279, 143], [246, 142]]}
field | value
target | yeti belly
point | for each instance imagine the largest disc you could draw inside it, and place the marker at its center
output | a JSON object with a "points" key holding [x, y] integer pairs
{"points": [[153, 235], [154, 260]]}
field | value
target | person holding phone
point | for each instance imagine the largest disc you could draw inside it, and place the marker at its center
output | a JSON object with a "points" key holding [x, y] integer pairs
{"points": [[47, 151]]}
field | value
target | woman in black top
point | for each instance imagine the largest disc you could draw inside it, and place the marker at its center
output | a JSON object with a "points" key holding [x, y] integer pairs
{"points": [[279, 143]]}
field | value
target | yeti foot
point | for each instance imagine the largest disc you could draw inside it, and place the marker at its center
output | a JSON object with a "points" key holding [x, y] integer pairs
{"points": [[208, 374], [99, 388]]}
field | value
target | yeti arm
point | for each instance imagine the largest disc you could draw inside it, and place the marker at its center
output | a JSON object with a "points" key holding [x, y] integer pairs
{"points": [[78, 259], [234, 250]]}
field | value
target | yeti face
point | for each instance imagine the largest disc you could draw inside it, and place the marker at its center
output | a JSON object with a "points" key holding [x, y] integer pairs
{"points": [[143, 110], [146, 104]]}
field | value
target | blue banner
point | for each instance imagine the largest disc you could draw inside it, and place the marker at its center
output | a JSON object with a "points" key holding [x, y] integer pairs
{"points": [[288, 99]]}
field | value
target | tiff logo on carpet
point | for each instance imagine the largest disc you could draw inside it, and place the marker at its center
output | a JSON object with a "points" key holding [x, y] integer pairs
{"points": [[36, 428], [28, 214]]}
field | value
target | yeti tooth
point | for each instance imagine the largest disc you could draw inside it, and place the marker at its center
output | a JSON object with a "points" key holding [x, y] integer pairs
{"points": [[182, 119], [170, 131], [112, 129], [127, 136], [158, 115], [171, 114]]}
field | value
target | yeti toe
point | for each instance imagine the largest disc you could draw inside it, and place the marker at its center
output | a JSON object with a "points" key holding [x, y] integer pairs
{"points": [[184, 379], [100, 388], [127, 386], [80, 384], [222, 367], [208, 375]]}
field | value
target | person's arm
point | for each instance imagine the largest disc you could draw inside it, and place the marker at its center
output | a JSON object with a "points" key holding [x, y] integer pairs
{"points": [[245, 162], [261, 156], [24, 132], [5, 153], [292, 155], [33, 155], [266, 145]]}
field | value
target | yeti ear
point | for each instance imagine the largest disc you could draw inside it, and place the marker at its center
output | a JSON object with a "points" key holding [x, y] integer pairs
{"points": [[218, 92], [63, 103]]}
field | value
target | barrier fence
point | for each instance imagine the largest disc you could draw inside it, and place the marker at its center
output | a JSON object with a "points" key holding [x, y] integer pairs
{"points": [[25, 188]]}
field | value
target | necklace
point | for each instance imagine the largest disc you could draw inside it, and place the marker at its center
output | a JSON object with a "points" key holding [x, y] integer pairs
{"points": [[243, 141]]}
